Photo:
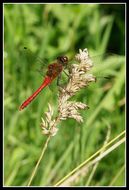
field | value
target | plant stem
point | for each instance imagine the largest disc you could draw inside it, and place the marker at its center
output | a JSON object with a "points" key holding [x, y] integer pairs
{"points": [[116, 177], [39, 160], [86, 161], [110, 149]]}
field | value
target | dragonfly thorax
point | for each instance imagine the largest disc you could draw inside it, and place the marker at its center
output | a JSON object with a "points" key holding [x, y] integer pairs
{"points": [[54, 70]]}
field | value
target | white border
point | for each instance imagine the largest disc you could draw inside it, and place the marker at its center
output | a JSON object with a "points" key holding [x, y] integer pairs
{"points": [[125, 87]]}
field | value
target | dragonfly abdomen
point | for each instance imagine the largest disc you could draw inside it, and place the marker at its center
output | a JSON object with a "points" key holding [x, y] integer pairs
{"points": [[46, 82]]}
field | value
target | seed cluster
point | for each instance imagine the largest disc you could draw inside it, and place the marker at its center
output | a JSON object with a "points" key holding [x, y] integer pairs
{"points": [[78, 79]]}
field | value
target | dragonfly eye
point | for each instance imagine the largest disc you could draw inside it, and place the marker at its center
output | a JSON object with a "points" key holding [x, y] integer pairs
{"points": [[63, 59]]}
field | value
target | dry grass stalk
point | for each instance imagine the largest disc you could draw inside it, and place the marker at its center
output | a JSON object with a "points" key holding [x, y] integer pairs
{"points": [[94, 157], [91, 163], [103, 149], [78, 79], [85, 169]]}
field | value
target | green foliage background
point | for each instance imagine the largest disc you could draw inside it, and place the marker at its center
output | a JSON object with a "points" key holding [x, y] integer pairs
{"points": [[50, 30]]}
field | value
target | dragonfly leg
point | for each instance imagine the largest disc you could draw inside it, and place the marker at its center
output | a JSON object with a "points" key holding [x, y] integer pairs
{"points": [[66, 73], [58, 80]]}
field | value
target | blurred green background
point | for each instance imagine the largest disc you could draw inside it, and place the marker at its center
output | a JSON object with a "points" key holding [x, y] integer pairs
{"points": [[50, 30]]}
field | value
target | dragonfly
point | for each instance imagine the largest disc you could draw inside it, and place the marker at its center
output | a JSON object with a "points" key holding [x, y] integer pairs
{"points": [[53, 71]]}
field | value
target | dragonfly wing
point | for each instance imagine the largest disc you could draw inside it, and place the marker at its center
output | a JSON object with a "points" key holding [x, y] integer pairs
{"points": [[37, 63], [105, 64]]}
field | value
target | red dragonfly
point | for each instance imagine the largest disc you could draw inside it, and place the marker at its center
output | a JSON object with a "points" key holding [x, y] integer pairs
{"points": [[53, 71]]}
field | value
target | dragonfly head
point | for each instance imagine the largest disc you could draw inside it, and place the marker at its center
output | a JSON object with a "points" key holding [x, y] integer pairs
{"points": [[63, 60]]}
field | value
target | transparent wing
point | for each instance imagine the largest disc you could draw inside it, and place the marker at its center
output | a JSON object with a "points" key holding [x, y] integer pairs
{"points": [[104, 65], [37, 63], [107, 64]]}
